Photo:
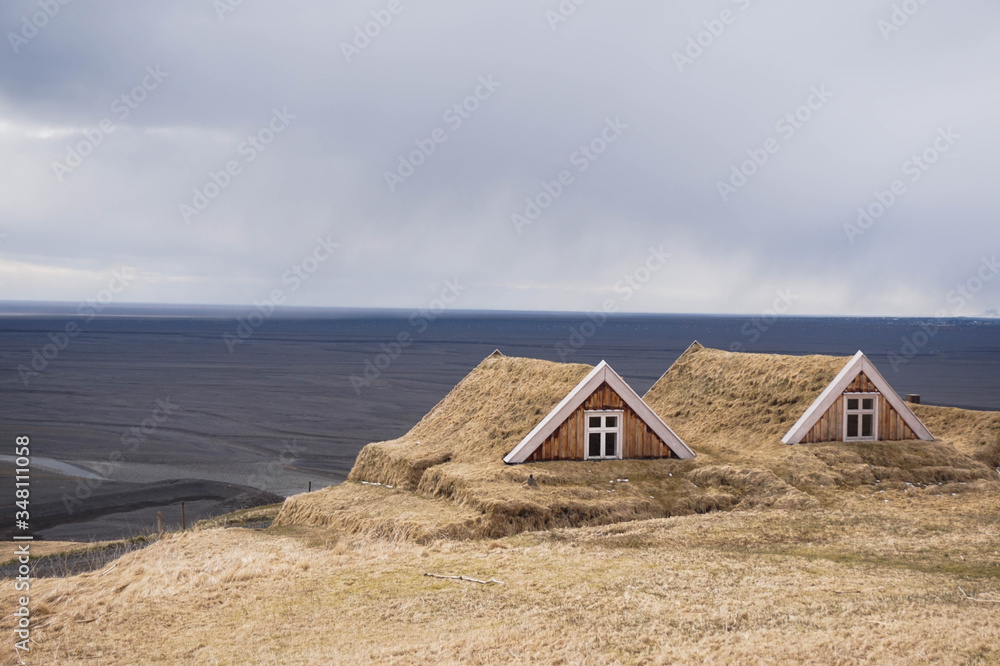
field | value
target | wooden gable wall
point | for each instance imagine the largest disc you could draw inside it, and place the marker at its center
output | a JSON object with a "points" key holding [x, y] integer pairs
{"points": [[567, 442], [830, 427]]}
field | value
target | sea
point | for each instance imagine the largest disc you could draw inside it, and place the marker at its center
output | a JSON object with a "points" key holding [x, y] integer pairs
{"points": [[145, 400]]}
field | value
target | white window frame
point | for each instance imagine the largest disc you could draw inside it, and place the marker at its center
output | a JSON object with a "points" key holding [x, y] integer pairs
{"points": [[873, 411], [617, 430]]}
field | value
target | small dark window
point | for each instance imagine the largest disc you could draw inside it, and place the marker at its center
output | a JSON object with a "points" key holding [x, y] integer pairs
{"points": [[594, 445], [859, 417], [852, 425], [610, 444], [602, 434]]}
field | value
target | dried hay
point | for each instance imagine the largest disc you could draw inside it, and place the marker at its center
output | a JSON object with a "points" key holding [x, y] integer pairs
{"points": [[755, 486], [732, 405], [864, 581], [381, 512], [446, 477], [974, 433], [480, 420]]}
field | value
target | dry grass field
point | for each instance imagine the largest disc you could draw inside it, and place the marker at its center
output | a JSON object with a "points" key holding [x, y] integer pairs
{"points": [[753, 552], [887, 578]]}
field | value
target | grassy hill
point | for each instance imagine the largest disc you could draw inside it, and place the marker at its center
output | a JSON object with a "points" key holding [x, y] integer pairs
{"points": [[752, 552], [446, 478], [887, 578]]}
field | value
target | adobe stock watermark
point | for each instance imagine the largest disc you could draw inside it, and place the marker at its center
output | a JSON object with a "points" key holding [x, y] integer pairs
{"points": [[786, 126], [899, 17], [581, 158], [121, 108], [562, 12], [365, 33], [627, 287], [42, 357], [915, 168], [297, 274], [224, 7], [248, 149], [455, 116], [702, 40], [419, 322], [266, 478], [32, 24], [963, 293], [761, 324], [130, 442]]}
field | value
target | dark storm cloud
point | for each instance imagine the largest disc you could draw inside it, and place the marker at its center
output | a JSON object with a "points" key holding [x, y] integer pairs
{"points": [[827, 102]]}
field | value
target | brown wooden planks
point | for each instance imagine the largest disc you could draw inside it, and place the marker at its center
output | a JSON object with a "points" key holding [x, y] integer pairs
{"points": [[567, 442], [829, 428]]}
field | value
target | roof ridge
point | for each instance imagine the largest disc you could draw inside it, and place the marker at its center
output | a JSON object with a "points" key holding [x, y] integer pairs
{"points": [[690, 347]]}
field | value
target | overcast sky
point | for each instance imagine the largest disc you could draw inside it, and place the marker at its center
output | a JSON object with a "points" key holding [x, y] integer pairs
{"points": [[183, 85]]}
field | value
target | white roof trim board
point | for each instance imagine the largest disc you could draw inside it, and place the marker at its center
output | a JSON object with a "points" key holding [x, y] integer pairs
{"points": [[859, 363], [600, 374]]}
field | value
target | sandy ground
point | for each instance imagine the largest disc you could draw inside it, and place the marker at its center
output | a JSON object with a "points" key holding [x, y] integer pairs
{"points": [[67, 509]]}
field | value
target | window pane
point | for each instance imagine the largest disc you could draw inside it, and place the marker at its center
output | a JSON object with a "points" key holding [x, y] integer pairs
{"points": [[868, 403], [867, 421], [611, 421], [595, 421], [852, 403], [852, 425], [610, 444], [594, 445]]}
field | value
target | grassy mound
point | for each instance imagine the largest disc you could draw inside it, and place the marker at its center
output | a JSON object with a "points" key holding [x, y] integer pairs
{"points": [[974, 433], [379, 511], [733, 405], [458, 500], [733, 408], [479, 421], [446, 478]]}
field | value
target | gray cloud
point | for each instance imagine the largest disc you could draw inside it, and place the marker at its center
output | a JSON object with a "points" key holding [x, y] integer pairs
{"points": [[655, 185]]}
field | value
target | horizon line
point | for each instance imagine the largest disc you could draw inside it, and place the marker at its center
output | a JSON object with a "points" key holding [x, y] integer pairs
{"points": [[195, 310]]}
